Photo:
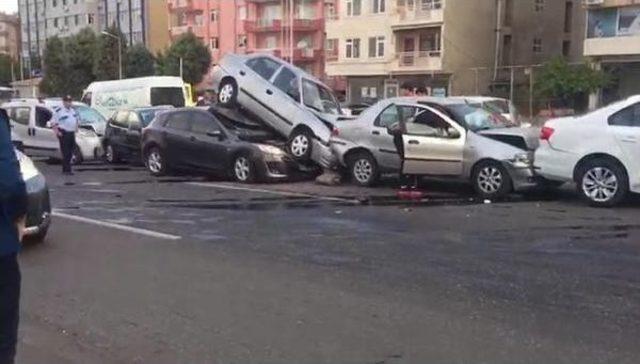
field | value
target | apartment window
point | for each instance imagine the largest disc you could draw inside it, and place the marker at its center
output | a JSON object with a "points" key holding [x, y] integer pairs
{"points": [[64, 2], [242, 13], [76, 19], [352, 48], [54, 3], [66, 20], [376, 47], [566, 48], [331, 45], [242, 40], [198, 19], [568, 16], [90, 19], [430, 4], [378, 6], [215, 43], [539, 5], [537, 45], [214, 16], [55, 22], [354, 7]]}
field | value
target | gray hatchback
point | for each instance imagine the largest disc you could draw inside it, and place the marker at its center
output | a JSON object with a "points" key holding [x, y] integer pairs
{"points": [[446, 137]]}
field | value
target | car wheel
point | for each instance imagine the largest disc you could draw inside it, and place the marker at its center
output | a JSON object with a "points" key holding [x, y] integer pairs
{"points": [[155, 162], [602, 182], [244, 169], [37, 238], [491, 180], [228, 93], [300, 144], [76, 156], [364, 169], [110, 154]]}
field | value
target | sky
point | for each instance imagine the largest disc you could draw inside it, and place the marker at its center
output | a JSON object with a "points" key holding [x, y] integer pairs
{"points": [[9, 6]]}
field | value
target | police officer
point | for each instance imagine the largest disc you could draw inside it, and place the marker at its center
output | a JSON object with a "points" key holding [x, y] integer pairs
{"points": [[13, 205], [65, 122]]}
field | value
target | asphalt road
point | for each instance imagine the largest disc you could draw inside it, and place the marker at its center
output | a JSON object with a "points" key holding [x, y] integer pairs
{"points": [[191, 270]]}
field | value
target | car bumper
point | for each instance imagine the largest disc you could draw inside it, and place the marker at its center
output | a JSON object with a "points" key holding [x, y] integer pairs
{"points": [[523, 177], [554, 164], [323, 155], [38, 210]]}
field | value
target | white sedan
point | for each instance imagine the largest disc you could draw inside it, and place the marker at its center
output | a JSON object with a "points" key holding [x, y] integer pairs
{"points": [[600, 151]]}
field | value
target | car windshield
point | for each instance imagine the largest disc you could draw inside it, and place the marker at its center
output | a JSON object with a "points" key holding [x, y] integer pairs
{"points": [[89, 116], [319, 98], [477, 118], [499, 106], [146, 115]]}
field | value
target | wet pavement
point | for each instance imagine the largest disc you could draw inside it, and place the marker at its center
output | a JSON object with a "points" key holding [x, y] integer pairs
{"points": [[297, 272]]}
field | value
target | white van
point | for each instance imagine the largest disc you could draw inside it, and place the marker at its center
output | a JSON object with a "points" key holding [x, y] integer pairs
{"points": [[110, 96]]}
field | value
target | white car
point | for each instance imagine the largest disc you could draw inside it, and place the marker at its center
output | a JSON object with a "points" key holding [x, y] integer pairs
{"points": [[31, 122], [600, 151]]}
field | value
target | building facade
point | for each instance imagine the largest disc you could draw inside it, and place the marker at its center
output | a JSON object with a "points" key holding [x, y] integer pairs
{"points": [[42, 19], [613, 44], [446, 46], [10, 35], [217, 23]]}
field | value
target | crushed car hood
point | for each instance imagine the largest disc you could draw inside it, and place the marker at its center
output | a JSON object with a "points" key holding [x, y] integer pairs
{"points": [[523, 138]]}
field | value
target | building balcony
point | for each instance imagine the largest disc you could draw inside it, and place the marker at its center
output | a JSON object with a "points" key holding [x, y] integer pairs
{"points": [[263, 1], [303, 25], [187, 5], [263, 25], [331, 55], [613, 46], [417, 61], [307, 55], [178, 30], [198, 30], [417, 15]]}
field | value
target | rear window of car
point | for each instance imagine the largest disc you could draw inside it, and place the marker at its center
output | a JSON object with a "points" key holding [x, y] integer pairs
{"points": [[89, 115], [263, 66], [173, 96], [178, 121], [147, 115]]}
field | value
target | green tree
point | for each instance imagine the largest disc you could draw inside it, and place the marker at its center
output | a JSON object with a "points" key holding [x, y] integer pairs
{"points": [[564, 83], [6, 72], [81, 51], [106, 65], [55, 80], [196, 59], [140, 62]]}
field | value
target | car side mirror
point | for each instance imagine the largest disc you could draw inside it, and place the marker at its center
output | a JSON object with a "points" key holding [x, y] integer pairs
{"points": [[216, 134], [453, 133]]}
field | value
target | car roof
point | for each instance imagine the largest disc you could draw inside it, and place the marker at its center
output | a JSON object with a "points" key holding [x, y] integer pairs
{"points": [[427, 99], [296, 70], [481, 98]]}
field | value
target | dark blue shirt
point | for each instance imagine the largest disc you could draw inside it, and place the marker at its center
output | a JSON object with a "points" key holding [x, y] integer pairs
{"points": [[13, 195]]}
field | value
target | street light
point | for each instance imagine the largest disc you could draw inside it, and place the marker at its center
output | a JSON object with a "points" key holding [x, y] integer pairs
{"points": [[104, 32]]}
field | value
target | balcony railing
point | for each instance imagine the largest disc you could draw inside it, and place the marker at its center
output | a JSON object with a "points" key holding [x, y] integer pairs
{"points": [[307, 54], [419, 59], [272, 51], [331, 55], [263, 25], [304, 24], [418, 13]]}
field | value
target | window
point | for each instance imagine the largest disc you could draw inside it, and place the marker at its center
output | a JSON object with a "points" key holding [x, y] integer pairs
{"points": [[76, 19], [147, 116], [90, 19], [173, 96], [242, 40], [202, 123], [568, 16], [352, 48], [43, 116], [265, 67], [242, 13], [376, 47], [88, 115], [566, 48], [214, 16], [354, 7], [215, 43], [55, 22], [430, 4], [21, 115], [378, 6], [198, 19], [537, 45], [393, 114], [64, 2], [288, 83], [319, 98], [539, 5], [428, 123], [629, 116], [55, 3], [178, 120], [120, 119]]}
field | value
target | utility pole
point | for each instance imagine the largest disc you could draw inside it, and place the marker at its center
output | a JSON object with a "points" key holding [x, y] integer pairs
{"points": [[181, 64]]}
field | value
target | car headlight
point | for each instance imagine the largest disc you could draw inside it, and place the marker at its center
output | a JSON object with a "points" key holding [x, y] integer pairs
{"points": [[522, 160], [270, 149]]}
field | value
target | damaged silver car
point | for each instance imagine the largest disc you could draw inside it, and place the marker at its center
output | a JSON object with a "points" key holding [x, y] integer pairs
{"points": [[446, 138]]}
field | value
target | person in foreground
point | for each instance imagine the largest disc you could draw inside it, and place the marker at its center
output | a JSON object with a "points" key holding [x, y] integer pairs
{"points": [[13, 205]]}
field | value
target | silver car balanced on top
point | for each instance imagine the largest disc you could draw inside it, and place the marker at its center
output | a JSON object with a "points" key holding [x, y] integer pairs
{"points": [[445, 138], [290, 101]]}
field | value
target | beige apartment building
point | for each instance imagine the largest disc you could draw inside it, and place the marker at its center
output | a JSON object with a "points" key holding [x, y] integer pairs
{"points": [[450, 47], [10, 35], [613, 44]]}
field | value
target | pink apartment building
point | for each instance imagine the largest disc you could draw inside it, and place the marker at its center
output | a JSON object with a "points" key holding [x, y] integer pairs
{"points": [[293, 30]]}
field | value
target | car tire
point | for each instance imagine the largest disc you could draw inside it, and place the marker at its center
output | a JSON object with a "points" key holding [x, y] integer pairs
{"points": [[228, 93], [491, 180], [37, 238], [363, 169], [76, 156], [602, 182], [156, 162], [110, 154], [244, 170], [300, 144]]}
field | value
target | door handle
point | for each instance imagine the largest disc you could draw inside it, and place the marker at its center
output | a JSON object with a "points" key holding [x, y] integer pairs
{"points": [[413, 141], [269, 92], [242, 73], [375, 132]]}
